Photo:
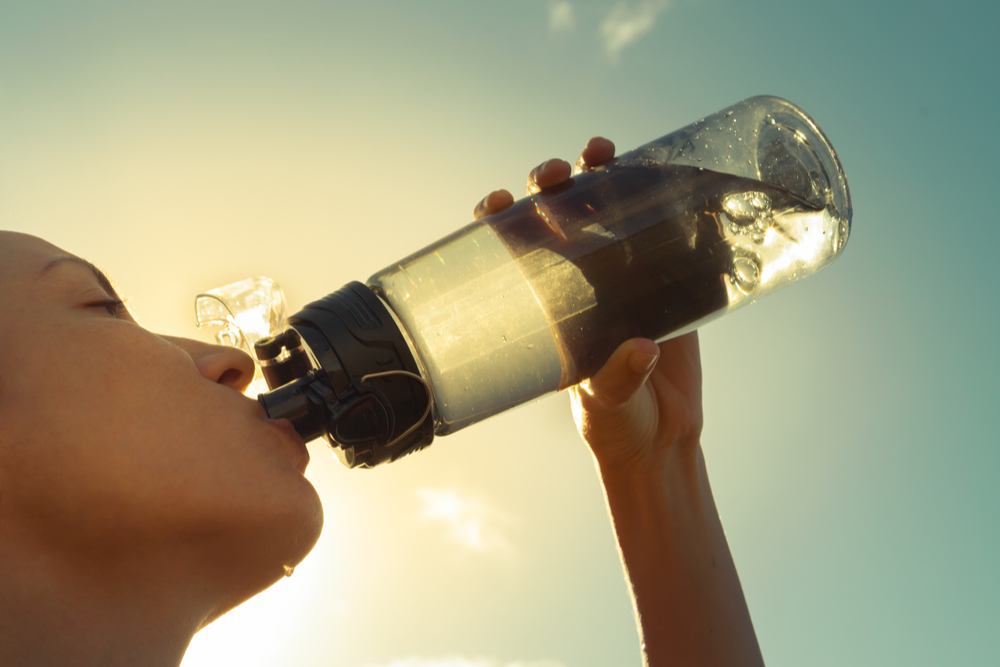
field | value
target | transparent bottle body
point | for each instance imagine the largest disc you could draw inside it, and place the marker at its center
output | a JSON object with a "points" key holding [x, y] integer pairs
{"points": [[664, 239]]}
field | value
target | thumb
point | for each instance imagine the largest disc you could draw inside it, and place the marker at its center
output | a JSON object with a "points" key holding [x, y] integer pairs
{"points": [[625, 372]]}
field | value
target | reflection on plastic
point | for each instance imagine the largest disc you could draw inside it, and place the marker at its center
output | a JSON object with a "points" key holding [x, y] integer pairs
{"points": [[536, 298], [656, 243], [245, 311]]}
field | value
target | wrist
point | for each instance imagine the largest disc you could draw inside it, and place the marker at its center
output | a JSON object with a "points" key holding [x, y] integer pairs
{"points": [[678, 464]]}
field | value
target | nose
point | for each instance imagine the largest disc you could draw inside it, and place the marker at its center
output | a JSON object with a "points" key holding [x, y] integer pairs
{"points": [[227, 366]]}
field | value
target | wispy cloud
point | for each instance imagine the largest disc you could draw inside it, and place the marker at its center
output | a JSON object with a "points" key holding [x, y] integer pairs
{"points": [[561, 16], [457, 661], [469, 522], [624, 26]]}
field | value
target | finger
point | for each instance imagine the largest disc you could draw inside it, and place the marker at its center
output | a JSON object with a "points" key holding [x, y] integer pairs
{"points": [[598, 151], [547, 174], [625, 372], [494, 202]]}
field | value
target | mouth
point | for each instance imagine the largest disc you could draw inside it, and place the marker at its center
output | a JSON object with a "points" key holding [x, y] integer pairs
{"points": [[288, 430]]}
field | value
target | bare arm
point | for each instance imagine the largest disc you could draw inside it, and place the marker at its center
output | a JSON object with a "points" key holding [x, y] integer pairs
{"points": [[685, 590], [641, 415]]}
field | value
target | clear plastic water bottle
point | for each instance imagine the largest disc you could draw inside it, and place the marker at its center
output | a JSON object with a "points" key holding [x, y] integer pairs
{"points": [[536, 298]]}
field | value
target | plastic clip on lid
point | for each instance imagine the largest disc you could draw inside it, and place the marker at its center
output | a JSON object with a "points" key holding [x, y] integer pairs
{"points": [[246, 311]]}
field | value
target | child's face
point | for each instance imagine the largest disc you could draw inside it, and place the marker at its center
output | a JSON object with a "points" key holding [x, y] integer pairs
{"points": [[114, 440]]}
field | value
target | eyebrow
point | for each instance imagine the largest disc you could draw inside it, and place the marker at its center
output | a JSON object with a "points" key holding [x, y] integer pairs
{"points": [[101, 277]]}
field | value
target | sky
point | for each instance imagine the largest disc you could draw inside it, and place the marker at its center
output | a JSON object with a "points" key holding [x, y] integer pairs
{"points": [[852, 428]]}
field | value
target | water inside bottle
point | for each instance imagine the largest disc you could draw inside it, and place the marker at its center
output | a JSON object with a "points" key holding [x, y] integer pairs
{"points": [[477, 326], [536, 298]]}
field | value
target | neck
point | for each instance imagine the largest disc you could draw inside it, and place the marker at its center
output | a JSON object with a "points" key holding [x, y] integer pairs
{"points": [[120, 612]]}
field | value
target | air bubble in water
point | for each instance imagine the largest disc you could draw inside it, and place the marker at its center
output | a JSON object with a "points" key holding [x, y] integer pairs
{"points": [[745, 208], [745, 273]]}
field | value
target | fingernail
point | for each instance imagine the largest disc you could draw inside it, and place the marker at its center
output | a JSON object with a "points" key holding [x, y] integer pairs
{"points": [[539, 170], [642, 363]]}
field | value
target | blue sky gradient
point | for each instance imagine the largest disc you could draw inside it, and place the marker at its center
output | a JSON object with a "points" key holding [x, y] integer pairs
{"points": [[852, 420]]}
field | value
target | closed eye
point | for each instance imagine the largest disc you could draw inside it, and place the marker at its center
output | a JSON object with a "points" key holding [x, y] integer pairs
{"points": [[113, 307]]}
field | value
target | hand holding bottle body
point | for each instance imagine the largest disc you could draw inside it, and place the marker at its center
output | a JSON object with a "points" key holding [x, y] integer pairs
{"points": [[647, 397], [641, 415]]}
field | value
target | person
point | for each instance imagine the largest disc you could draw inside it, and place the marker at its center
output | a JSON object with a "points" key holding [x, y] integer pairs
{"points": [[142, 494]]}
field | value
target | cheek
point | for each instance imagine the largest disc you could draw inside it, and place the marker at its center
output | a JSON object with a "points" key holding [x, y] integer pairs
{"points": [[119, 388], [120, 435], [103, 415]]}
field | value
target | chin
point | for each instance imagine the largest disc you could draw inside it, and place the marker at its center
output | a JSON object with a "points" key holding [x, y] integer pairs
{"points": [[257, 561], [297, 532]]}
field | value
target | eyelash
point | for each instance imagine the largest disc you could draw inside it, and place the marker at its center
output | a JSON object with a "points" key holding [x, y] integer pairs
{"points": [[114, 307]]}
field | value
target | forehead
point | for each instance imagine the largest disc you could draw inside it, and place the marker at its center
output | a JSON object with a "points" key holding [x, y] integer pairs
{"points": [[23, 255]]}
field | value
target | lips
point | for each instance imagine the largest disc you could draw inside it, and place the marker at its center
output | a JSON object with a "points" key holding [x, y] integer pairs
{"points": [[288, 430], [287, 427]]}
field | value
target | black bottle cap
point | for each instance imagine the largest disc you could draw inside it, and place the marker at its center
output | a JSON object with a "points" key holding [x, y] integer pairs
{"points": [[364, 380]]}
